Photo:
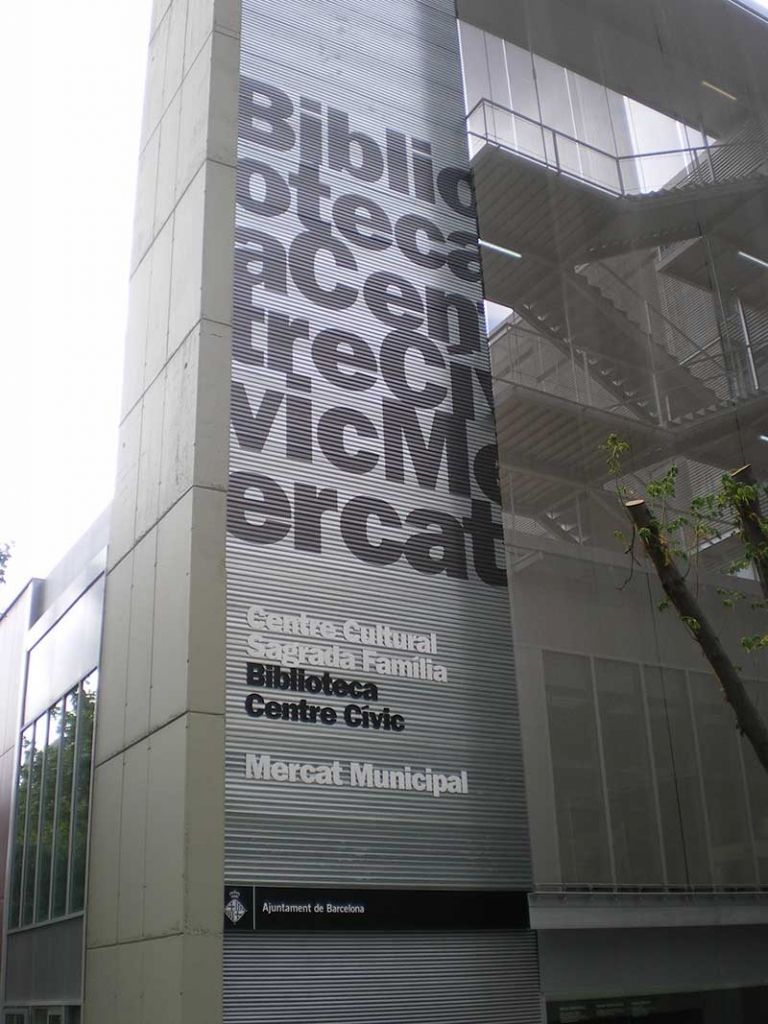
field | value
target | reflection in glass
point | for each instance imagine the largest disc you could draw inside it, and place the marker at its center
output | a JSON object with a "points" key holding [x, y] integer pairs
{"points": [[634, 826], [623, 201], [576, 765], [52, 803], [47, 809], [723, 785], [678, 777], [22, 796], [82, 788], [756, 788], [33, 823], [64, 808]]}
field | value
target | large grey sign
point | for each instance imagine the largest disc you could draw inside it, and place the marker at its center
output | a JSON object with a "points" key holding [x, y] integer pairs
{"points": [[372, 734]]}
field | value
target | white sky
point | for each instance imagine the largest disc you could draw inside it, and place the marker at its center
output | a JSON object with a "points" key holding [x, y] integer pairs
{"points": [[758, 5], [71, 81]]}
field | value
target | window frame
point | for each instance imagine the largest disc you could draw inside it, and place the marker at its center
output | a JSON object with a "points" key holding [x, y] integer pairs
{"points": [[74, 694]]}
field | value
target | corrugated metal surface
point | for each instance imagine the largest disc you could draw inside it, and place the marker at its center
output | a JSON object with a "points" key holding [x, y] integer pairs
{"points": [[418, 977], [389, 68], [45, 964]]}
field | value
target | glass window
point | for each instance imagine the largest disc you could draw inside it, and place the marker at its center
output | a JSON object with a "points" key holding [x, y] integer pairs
{"points": [[43, 1015], [756, 788], [22, 798], [581, 825], [721, 770], [64, 808], [82, 793], [611, 315], [33, 822], [634, 825], [47, 809], [678, 777], [52, 805]]}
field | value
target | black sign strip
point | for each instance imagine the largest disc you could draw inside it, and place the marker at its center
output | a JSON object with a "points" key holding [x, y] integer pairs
{"points": [[250, 908]]}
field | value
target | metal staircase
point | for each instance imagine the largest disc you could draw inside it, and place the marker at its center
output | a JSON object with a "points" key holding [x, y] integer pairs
{"points": [[552, 193], [575, 364], [621, 354], [677, 213]]}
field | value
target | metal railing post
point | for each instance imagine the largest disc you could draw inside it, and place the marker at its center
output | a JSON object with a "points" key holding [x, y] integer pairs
{"points": [[709, 159], [654, 378], [622, 186], [748, 347]]}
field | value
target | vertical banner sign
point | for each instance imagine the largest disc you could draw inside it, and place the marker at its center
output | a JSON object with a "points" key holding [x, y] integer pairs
{"points": [[372, 734]]}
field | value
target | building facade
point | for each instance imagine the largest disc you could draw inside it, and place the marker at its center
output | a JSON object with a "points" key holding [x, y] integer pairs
{"points": [[359, 707]]}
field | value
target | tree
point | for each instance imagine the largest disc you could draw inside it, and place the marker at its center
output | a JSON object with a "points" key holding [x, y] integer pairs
{"points": [[52, 805], [5, 554], [671, 538]]}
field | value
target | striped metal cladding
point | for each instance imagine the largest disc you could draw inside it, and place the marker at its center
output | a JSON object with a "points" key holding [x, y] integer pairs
{"points": [[396, 978], [393, 68]]}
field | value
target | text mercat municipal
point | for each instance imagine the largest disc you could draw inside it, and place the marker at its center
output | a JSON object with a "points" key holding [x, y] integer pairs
{"points": [[357, 774]]}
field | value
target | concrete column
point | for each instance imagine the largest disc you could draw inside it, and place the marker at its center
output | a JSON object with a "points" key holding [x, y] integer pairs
{"points": [[156, 862]]}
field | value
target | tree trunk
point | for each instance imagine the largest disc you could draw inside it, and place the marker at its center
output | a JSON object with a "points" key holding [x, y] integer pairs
{"points": [[749, 515], [747, 716]]}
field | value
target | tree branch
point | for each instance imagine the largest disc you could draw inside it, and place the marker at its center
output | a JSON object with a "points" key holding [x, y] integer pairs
{"points": [[748, 718], [748, 510]]}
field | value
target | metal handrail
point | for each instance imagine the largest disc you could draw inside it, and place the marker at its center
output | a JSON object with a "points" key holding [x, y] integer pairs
{"points": [[518, 330], [536, 124], [699, 350], [602, 152], [707, 149]]}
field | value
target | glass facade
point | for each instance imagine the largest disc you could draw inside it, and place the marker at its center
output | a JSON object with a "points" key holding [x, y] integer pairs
{"points": [[620, 154], [44, 1015], [679, 1008], [651, 781], [52, 802]]}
